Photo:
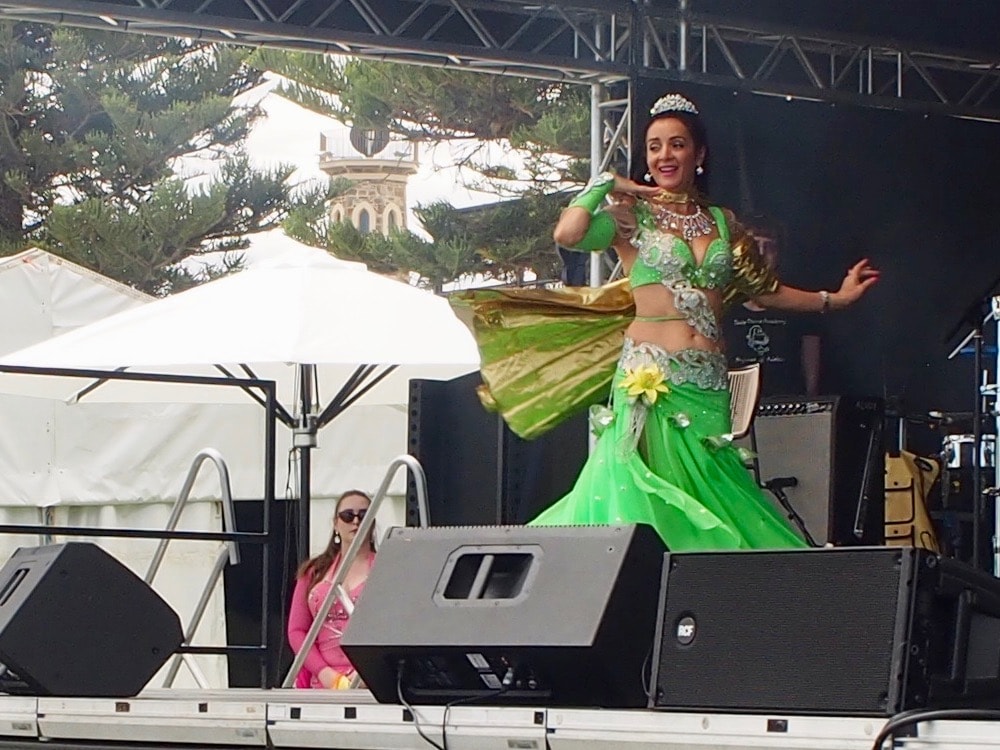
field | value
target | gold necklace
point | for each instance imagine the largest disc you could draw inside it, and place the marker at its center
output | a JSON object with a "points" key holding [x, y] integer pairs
{"points": [[688, 226], [665, 196]]}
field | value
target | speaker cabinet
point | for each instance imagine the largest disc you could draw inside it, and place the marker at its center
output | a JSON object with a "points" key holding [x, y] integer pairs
{"points": [[860, 631], [513, 615], [75, 622], [478, 471], [833, 448]]}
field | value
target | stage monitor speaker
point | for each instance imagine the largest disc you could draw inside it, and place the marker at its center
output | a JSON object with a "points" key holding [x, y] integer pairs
{"points": [[833, 449], [858, 631], [75, 622], [558, 616], [478, 471]]}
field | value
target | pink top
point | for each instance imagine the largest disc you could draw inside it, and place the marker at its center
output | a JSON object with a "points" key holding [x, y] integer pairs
{"points": [[326, 651]]}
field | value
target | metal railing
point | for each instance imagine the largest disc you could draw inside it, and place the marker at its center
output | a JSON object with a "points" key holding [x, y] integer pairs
{"points": [[230, 553], [263, 391], [337, 590]]}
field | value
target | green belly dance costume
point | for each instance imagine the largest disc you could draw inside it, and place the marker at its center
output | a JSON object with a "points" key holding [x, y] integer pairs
{"points": [[663, 454]]}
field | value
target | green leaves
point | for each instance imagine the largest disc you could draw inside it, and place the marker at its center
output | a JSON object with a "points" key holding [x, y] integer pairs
{"points": [[547, 123], [94, 125]]}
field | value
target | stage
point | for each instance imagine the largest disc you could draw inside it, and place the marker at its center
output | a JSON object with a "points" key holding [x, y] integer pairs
{"points": [[351, 719]]}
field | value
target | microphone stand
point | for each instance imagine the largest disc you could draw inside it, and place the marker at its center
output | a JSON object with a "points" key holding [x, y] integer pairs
{"points": [[777, 487]]}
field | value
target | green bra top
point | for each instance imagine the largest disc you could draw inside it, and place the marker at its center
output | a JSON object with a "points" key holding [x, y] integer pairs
{"points": [[667, 259]]}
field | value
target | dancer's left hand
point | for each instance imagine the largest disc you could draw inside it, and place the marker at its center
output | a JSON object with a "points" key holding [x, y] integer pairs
{"points": [[859, 279]]}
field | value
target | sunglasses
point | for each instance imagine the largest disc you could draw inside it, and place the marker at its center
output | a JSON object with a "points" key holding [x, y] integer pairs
{"points": [[348, 516]]}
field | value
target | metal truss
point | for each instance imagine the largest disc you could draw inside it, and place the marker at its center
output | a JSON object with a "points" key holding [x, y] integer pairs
{"points": [[790, 62], [582, 41], [573, 40]]}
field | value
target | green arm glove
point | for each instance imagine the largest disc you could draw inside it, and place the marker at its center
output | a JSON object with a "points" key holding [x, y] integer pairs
{"points": [[601, 231], [600, 234]]}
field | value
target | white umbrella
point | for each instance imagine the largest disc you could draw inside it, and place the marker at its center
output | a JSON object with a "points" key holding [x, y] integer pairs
{"points": [[318, 326]]}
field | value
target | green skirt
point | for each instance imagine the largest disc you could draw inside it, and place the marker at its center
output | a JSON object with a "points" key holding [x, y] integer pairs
{"points": [[668, 460]]}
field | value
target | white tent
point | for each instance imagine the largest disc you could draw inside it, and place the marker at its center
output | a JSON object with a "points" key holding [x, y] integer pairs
{"points": [[330, 333], [119, 463], [100, 454]]}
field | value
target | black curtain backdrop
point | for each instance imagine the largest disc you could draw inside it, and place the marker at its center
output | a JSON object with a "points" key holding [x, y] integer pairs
{"points": [[915, 194]]}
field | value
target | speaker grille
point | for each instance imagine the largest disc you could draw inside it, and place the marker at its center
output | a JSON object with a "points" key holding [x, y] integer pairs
{"points": [[802, 631], [74, 621]]}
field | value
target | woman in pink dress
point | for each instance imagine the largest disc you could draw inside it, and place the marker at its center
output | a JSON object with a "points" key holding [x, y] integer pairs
{"points": [[326, 665]]}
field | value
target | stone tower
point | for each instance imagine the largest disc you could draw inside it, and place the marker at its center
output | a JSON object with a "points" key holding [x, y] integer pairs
{"points": [[379, 168]]}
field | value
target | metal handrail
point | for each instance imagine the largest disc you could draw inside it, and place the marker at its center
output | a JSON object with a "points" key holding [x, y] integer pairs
{"points": [[337, 589], [229, 553]]}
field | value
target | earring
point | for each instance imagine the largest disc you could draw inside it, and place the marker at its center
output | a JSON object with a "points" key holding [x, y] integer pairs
{"points": [[699, 170], [647, 177], [336, 537]]}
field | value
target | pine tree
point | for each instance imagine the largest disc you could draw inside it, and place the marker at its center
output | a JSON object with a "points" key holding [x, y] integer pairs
{"points": [[547, 122], [95, 124]]}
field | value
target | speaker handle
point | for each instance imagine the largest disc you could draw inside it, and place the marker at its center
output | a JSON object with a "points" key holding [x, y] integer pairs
{"points": [[960, 648]]}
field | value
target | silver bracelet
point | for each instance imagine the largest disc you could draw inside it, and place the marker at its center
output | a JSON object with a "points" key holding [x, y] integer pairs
{"points": [[599, 180], [825, 296]]}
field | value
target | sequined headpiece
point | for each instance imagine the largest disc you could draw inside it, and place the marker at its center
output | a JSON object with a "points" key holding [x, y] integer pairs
{"points": [[672, 103]]}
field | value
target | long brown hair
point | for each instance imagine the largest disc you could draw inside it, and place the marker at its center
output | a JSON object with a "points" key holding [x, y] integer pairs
{"points": [[316, 567]]}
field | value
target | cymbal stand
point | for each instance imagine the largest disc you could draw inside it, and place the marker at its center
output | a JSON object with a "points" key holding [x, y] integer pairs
{"points": [[991, 391], [984, 390]]}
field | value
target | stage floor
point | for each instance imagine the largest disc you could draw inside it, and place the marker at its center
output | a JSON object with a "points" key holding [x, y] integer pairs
{"points": [[352, 720]]}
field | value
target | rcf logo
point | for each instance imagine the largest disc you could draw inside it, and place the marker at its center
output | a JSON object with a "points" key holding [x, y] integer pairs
{"points": [[686, 630]]}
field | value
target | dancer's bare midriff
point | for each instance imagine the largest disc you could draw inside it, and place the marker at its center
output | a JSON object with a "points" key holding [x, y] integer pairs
{"points": [[656, 301]]}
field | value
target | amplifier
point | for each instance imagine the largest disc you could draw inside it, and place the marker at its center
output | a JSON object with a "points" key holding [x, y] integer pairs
{"points": [[828, 457]]}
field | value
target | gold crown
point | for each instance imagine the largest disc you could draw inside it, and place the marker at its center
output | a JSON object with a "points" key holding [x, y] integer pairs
{"points": [[672, 103]]}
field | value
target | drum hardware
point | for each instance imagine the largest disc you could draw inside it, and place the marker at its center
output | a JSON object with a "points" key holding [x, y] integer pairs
{"points": [[958, 451], [984, 309]]}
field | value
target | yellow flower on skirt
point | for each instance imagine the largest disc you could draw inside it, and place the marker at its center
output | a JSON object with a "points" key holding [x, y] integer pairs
{"points": [[645, 382]]}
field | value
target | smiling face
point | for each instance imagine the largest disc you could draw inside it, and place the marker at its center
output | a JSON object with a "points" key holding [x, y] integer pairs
{"points": [[346, 519], [672, 154]]}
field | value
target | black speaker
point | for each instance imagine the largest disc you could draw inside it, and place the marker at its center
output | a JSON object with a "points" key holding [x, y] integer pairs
{"points": [[478, 471], [554, 616], [834, 449], [860, 631], [75, 622]]}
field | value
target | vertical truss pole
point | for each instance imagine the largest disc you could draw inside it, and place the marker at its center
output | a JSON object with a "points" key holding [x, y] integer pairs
{"points": [[596, 159], [596, 150], [682, 42], [995, 309]]}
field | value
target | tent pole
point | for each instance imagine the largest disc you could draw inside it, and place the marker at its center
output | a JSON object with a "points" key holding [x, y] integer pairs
{"points": [[304, 442]]}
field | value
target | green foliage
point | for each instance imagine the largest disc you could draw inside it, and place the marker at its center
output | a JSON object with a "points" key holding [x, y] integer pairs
{"points": [[508, 237], [547, 122], [94, 123]]}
